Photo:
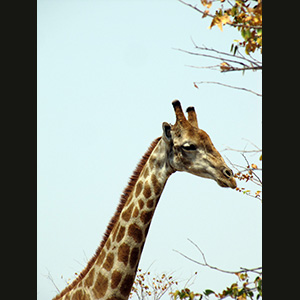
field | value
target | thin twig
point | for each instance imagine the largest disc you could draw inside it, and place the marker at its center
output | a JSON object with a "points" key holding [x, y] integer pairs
{"points": [[215, 57], [49, 276], [205, 264], [223, 59], [203, 256], [251, 169], [242, 151], [230, 86], [240, 56], [242, 169], [247, 140], [242, 69], [215, 67]]}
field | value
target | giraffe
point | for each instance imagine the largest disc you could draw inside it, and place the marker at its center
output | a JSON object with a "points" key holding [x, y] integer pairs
{"points": [[110, 273]]}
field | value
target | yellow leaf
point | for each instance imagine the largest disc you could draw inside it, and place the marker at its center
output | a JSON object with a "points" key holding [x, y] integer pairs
{"points": [[254, 166], [213, 23], [225, 19], [219, 23], [259, 41], [206, 3], [242, 297], [247, 19], [224, 66]]}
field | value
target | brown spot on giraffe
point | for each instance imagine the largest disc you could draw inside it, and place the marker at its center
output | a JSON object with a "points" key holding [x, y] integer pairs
{"points": [[126, 285], [146, 216], [100, 286], [109, 261], [134, 257], [141, 204], [123, 253], [135, 232], [156, 184], [147, 190], [127, 213], [115, 279], [121, 233], [150, 203], [138, 189]]}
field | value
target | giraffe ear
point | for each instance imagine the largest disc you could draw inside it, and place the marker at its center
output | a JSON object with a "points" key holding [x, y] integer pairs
{"points": [[167, 131]]}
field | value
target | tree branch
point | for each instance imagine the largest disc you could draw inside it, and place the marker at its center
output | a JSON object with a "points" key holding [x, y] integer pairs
{"points": [[230, 86], [49, 276], [212, 56], [225, 66], [243, 69], [240, 56], [242, 151], [205, 264], [252, 170]]}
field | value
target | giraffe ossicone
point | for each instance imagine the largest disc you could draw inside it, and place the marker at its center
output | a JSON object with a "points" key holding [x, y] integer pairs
{"points": [[184, 147]]}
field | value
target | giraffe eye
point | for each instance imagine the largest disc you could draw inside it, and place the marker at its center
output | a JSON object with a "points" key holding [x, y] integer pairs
{"points": [[188, 147]]}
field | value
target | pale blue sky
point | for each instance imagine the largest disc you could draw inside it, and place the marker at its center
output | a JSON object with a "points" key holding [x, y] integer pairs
{"points": [[107, 75]]}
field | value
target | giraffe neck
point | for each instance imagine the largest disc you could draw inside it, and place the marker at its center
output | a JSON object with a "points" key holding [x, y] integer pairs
{"points": [[112, 270]]}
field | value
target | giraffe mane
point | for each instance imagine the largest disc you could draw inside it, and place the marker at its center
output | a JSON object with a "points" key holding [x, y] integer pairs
{"points": [[124, 196]]}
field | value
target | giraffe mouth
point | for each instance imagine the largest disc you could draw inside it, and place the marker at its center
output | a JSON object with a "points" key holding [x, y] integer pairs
{"points": [[227, 183]]}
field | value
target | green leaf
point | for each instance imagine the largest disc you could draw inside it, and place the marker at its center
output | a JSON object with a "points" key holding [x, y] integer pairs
{"points": [[235, 49], [246, 33], [243, 32], [246, 192], [208, 292], [234, 10], [259, 31]]}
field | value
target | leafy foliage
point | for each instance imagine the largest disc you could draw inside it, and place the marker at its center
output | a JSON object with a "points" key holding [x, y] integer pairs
{"points": [[148, 287], [249, 174], [245, 15], [185, 294], [244, 288]]}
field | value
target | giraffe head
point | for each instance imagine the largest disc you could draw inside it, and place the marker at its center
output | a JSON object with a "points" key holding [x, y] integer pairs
{"points": [[191, 149]]}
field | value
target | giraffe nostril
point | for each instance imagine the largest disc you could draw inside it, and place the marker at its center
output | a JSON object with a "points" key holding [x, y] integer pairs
{"points": [[228, 173]]}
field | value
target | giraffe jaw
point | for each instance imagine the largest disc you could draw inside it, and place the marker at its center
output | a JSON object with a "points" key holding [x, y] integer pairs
{"points": [[228, 183]]}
